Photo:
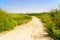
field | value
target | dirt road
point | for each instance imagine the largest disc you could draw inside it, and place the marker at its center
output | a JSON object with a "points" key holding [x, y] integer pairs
{"points": [[33, 30]]}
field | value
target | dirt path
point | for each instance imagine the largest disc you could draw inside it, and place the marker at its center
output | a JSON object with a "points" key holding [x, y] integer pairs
{"points": [[33, 30]]}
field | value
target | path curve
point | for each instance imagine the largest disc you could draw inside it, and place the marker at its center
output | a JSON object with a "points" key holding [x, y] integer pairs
{"points": [[33, 30]]}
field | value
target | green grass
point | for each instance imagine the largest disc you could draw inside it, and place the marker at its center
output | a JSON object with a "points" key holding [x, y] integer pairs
{"points": [[51, 21], [8, 20]]}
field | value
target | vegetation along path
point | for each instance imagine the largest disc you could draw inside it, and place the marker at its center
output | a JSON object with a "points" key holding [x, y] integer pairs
{"points": [[33, 30]]}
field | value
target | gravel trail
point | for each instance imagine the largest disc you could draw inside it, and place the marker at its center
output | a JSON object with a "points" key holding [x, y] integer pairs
{"points": [[33, 30]]}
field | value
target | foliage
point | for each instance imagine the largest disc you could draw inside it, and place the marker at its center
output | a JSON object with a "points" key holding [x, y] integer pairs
{"points": [[52, 22], [8, 21]]}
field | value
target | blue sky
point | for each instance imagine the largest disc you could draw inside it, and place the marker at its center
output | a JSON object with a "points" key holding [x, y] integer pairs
{"points": [[24, 6]]}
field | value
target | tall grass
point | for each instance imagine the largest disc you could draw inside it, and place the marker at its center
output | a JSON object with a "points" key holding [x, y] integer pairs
{"points": [[52, 22], [8, 21]]}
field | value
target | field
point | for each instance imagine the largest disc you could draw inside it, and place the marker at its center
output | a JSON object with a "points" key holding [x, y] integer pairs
{"points": [[51, 21], [8, 20]]}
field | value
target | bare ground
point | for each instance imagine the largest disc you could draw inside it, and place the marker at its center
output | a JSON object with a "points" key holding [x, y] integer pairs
{"points": [[33, 30]]}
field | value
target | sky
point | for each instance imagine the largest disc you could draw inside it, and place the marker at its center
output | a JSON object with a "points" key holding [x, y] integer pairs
{"points": [[28, 6]]}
